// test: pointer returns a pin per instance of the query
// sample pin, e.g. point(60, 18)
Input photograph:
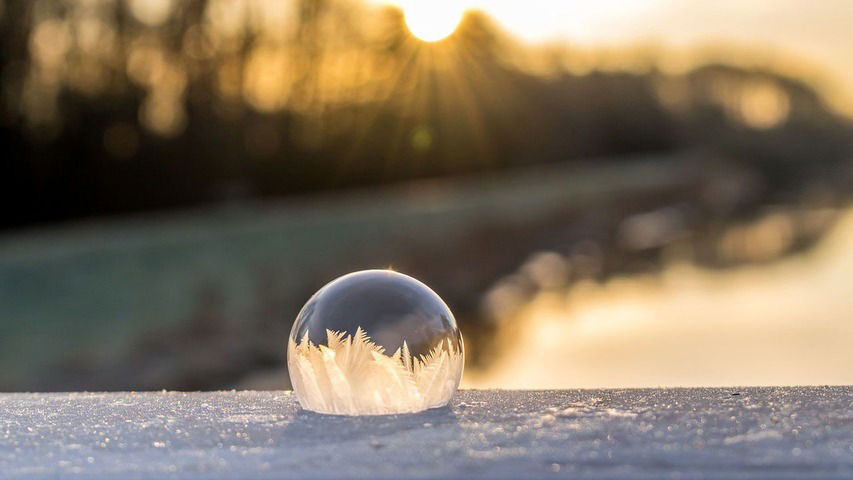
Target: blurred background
point(607, 194)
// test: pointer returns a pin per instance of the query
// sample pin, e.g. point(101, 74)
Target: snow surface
point(657, 433)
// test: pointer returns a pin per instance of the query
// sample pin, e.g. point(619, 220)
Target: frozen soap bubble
point(374, 342)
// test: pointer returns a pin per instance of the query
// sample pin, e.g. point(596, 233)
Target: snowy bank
point(652, 433)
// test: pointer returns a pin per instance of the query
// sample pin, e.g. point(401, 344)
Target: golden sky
point(807, 38)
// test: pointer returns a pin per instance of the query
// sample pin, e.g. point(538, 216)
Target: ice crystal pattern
point(352, 375)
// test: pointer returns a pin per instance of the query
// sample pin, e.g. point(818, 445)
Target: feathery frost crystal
point(338, 353)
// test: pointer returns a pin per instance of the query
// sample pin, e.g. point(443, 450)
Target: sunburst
point(432, 21)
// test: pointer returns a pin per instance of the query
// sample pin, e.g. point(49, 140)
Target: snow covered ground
point(657, 433)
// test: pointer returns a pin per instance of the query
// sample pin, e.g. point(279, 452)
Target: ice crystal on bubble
point(361, 317)
point(354, 376)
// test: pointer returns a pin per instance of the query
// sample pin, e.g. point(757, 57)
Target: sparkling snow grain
point(673, 433)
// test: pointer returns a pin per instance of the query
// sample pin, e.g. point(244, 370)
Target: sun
point(433, 20)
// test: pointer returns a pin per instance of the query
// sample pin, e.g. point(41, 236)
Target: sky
point(808, 38)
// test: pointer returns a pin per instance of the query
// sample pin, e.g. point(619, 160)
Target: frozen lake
point(649, 433)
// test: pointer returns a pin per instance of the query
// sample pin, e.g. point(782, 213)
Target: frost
point(351, 375)
point(676, 433)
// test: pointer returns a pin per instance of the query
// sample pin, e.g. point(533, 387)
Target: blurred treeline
point(119, 106)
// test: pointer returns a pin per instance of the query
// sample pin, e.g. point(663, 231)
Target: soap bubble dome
point(374, 342)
